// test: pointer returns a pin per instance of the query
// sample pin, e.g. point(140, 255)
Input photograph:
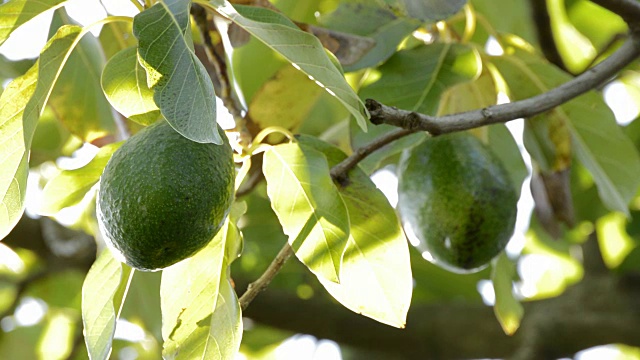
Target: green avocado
point(163, 197)
point(457, 199)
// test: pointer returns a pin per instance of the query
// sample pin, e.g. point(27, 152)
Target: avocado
point(457, 198)
point(163, 197)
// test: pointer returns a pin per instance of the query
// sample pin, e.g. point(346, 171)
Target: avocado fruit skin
point(458, 200)
point(163, 197)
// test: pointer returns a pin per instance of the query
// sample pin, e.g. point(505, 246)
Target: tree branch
point(597, 311)
point(590, 79)
point(259, 285)
point(339, 171)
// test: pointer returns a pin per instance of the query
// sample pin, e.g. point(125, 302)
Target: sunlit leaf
point(225, 332)
point(375, 277)
point(98, 311)
point(415, 80)
point(182, 87)
point(14, 13)
point(505, 17)
point(116, 36)
point(70, 186)
point(309, 207)
point(200, 317)
point(124, 82)
point(77, 98)
point(576, 49)
point(300, 48)
point(507, 308)
point(596, 139)
point(20, 107)
point(615, 242)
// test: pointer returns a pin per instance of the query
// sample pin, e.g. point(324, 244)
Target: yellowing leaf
point(309, 207)
point(507, 308)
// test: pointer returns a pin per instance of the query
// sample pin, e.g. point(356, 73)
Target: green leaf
point(597, 140)
point(285, 100)
point(300, 48)
point(414, 80)
point(375, 276)
point(21, 104)
point(116, 36)
point(98, 312)
point(429, 10)
point(124, 82)
point(14, 13)
point(12, 69)
point(182, 87)
point(200, 312)
point(77, 98)
point(507, 308)
point(70, 186)
point(309, 207)
point(369, 19)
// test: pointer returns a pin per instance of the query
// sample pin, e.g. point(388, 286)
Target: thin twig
point(259, 285)
point(383, 114)
point(339, 171)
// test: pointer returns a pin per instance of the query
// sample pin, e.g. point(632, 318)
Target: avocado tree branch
point(264, 280)
point(590, 79)
point(597, 311)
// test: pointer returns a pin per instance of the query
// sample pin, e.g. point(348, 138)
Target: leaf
point(285, 100)
point(309, 207)
point(375, 277)
point(225, 332)
point(116, 36)
point(70, 186)
point(124, 82)
point(20, 107)
point(300, 48)
point(507, 308)
point(77, 98)
point(429, 10)
point(190, 292)
point(10, 69)
point(14, 13)
point(182, 87)
point(98, 312)
point(414, 80)
point(596, 138)
point(369, 19)
point(506, 149)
